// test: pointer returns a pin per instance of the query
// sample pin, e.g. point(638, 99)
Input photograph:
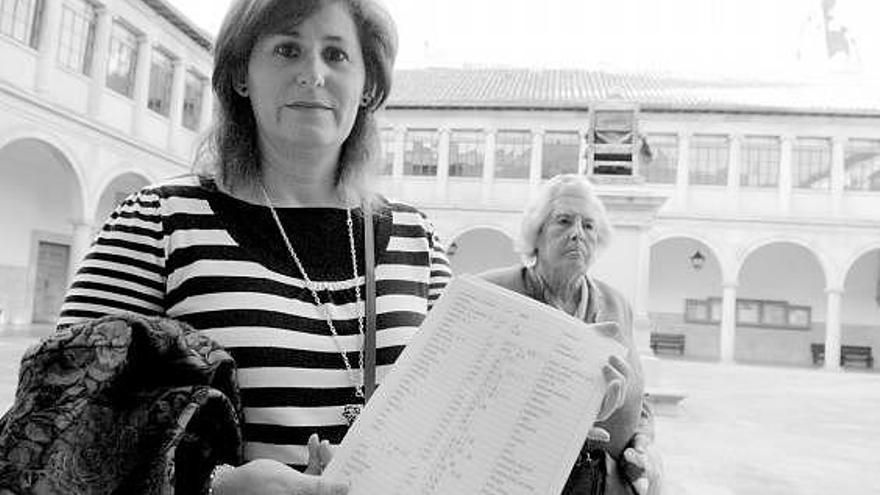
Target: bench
point(667, 341)
point(848, 354)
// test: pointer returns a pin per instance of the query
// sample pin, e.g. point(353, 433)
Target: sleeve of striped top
point(441, 273)
point(124, 270)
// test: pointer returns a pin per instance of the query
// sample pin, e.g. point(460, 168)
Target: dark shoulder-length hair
point(231, 153)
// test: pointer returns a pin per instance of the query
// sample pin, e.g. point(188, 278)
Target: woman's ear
point(242, 89)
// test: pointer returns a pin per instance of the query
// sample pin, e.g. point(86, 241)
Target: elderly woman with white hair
point(563, 230)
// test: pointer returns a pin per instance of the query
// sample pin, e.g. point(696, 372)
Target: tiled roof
point(568, 89)
point(180, 21)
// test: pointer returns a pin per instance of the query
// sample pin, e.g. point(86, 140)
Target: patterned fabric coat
point(122, 404)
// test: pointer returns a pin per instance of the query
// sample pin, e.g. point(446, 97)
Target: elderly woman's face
point(306, 84)
point(569, 238)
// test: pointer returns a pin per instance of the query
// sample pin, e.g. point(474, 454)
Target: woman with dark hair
point(563, 231)
point(264, 250)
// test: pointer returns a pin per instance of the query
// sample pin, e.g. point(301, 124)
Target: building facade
point(748, 219)
point(751, 225)
point(97, 99)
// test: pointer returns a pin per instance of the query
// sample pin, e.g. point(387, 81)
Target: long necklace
point(350, 412)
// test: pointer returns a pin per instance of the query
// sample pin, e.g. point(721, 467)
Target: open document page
point(493, 396)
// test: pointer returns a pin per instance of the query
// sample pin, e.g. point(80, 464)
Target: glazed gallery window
point(19, 19)
point(123, 59)
point(193, 93)
point(388, 145)
point(759, 161)
point(661, 160)
point(811, 163)
point(466, 153)
point(161, 79)
point(862, 165)
point(420, 152)
point(708, 160)
point(77, 36)
point(513, 154)
point(750, 313)
point(560, 153)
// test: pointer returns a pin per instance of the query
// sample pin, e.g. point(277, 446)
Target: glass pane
point(662, 162)
point(466, 153)
point(559, 154)
point(811, 163)
point(192, 101)
point(708, 160)
point(513, 154)
point(759, 159)
point(420, 152)
point(161, 78)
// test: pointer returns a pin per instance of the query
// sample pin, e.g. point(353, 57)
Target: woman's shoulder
point(402, 213)
point(188, 185)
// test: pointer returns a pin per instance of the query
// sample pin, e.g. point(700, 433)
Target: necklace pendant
point(351, 412)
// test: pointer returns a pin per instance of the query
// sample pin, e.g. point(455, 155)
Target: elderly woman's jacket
point(605, 304)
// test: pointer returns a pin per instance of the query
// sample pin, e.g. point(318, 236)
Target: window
point(560, 153)
point(466, 153)
point(513, 154)
point(123, 59)
point(388, 147)
point(708, 160)
point(161, 79)
point(19, 19)
point(750, 313)
point(759, 162)
point(662, 165)
point(420, 152)
point(77, 35)
point(193, 93)
point(862, 165)
point(811, 163)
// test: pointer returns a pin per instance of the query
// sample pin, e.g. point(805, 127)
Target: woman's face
point(305, 85)
point(570, 236)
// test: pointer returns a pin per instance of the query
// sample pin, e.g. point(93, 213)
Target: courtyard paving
point(743, 429)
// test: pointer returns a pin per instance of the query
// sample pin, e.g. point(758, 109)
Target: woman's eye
point(333, 54)
point(588, 225)
point(286, 50)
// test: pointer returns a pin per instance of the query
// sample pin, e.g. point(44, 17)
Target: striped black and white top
point(185, 250)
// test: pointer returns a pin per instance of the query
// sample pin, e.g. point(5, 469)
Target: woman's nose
point(310, 78)
point(310, 72)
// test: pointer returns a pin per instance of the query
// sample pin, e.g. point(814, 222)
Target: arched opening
point(860, 308)
point(40, 203)
point(780, 307)
point(116, 192)
point(684, 295)
point(481, 249)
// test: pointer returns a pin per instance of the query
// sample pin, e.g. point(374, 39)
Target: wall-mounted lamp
point(697, 260)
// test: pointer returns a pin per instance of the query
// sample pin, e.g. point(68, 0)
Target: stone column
point(397, 164)
point(582, 151)
point(175, 110)
point(536, 158)
point(733, 169)
point(50, 28)
point(785, 173)
point(728, 322)
point(683, 168)
point(141, 85)
point(100, 57)
point(832, 328)
point(443, 163)
point(838, 172)
point(489, 165)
